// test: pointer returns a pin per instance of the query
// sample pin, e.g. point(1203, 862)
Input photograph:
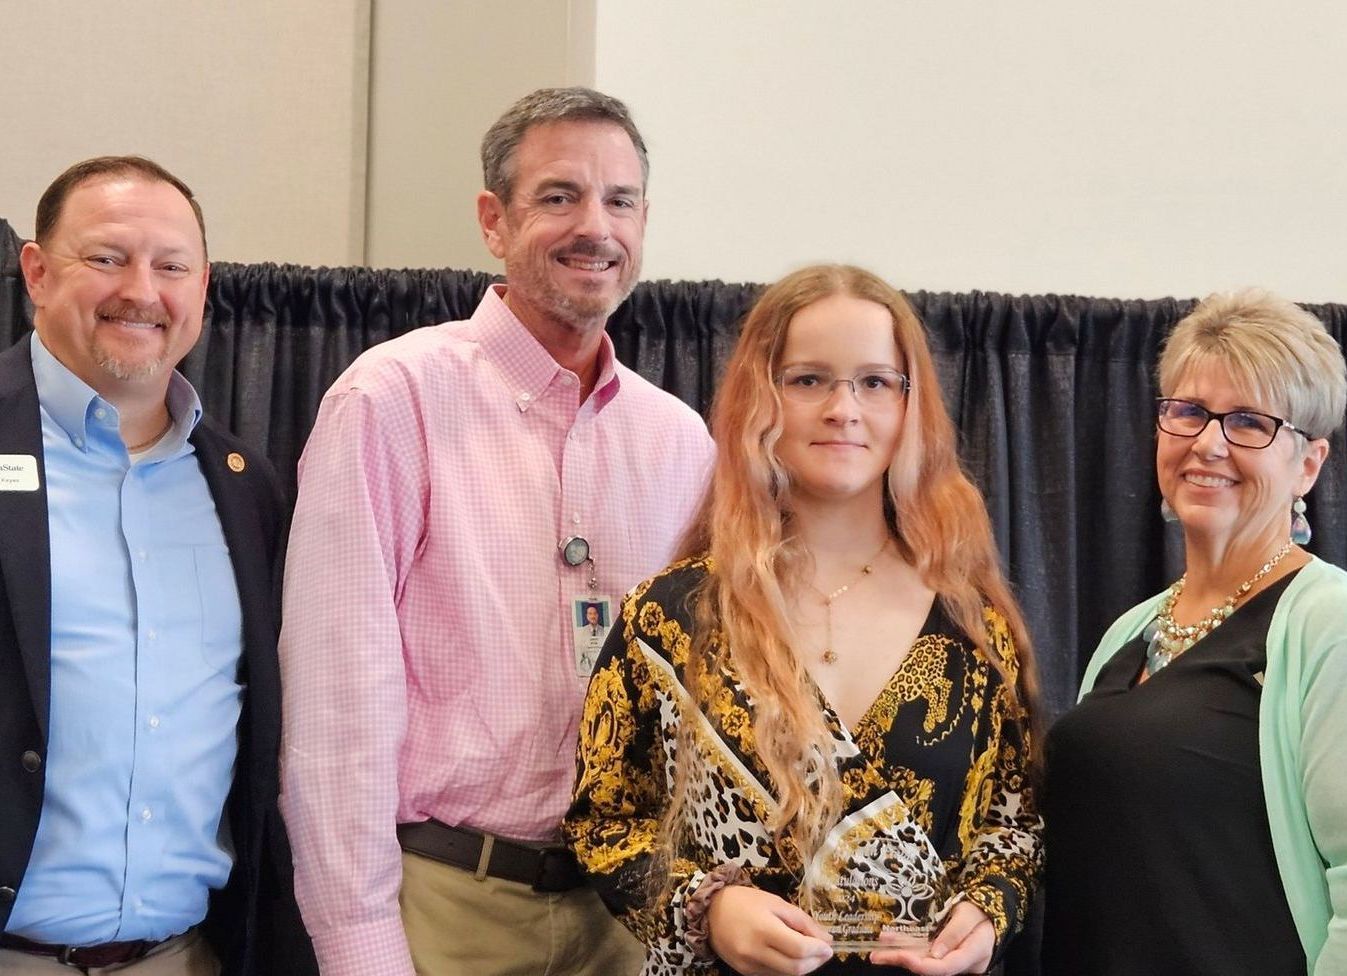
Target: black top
point(1159, 854)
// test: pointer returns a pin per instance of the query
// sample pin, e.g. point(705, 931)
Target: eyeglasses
point(874, 387)
point(1243, 428)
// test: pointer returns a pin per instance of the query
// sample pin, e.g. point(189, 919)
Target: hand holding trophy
point(964, 943)
point(876, 881)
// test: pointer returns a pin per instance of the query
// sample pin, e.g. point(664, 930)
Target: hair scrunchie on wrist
point(696, 923)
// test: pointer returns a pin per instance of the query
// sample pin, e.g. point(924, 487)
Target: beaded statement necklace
point(829, 656)
point(1166, 640)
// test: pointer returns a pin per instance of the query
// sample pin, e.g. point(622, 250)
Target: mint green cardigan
point(1302, 748)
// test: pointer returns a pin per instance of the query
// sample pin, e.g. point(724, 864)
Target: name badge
point(592, 618)
point(18, 472)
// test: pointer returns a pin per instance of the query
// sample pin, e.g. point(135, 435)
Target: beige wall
point(259, 106)
point(443, 71)
point(1137, 150)
point(1129, 150)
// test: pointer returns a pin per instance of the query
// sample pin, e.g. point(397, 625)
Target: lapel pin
point(236, 462)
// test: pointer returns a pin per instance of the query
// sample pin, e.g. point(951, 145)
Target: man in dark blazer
point(140, 555)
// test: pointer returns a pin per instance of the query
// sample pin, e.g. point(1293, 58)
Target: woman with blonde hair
point(810, 738)
point(1196, 798)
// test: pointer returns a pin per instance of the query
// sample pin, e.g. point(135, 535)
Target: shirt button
point(141, 554)
point(152, 633)
point(154, 721)
point(100, 413)
point(31, 761)
point(79, 441)
point(146, 815)
point(575, 519)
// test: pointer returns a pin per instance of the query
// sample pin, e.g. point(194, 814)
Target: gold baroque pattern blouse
point(937, 807)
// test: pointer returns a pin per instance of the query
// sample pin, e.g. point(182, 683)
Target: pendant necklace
point(829, 656)
point(1166, 639)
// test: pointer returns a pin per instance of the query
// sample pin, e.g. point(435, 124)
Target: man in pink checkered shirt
point(468, 492)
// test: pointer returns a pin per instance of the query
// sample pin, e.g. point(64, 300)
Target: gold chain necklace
point(829, 656)
point(1166, 639)
point(133, 448)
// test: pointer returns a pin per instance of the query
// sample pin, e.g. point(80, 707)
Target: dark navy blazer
point(252, 922)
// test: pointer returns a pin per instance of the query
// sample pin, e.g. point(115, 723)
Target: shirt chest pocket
point(201, 619)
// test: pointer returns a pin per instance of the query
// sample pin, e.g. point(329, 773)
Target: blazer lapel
point(25, 547)
point(238, 519)
point(251, 551)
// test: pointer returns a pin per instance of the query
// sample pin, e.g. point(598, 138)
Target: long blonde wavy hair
point(937, 518)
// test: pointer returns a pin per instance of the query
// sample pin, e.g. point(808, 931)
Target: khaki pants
point(459, 926)
point(187, 955)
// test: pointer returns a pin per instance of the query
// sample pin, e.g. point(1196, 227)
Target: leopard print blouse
point(937, 805)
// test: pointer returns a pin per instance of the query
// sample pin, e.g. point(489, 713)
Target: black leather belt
point(90, 957)
point(545, 867)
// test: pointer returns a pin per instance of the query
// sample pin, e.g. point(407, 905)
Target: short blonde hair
point(1272, 348)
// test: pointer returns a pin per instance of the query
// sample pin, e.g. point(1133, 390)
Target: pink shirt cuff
point(368, 949)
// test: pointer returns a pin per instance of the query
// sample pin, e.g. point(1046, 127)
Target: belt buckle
point(66, 955)
point(540, 874)
point(556, 870)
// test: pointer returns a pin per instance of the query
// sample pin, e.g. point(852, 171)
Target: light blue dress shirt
point(146, 636)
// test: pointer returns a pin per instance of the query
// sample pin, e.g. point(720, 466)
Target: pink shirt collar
point(526, 366)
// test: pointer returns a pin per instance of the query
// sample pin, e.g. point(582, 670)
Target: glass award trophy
point(856, 927)
point(877, 873)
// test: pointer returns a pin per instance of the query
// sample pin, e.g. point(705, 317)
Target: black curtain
point(14, 308)
point(1052, 396)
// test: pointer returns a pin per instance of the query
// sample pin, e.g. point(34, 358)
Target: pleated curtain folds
point(1052, 395)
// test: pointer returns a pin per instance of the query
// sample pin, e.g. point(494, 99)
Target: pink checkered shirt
point(427, 654)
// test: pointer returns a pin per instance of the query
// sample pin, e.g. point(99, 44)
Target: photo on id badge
point(591, 619)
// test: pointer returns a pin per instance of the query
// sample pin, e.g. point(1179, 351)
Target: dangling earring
point(1166, 512)
point(1300, 525)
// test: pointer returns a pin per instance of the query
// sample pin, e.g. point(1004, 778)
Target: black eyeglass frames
point(1243, 428)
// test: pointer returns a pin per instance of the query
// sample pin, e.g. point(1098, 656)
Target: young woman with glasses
point(1196, 798)
point(814, 730)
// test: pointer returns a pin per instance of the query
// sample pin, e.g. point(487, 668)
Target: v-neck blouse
point(875, 706)
point(937, 807)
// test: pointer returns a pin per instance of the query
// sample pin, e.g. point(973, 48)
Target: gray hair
point(539, 108)
point(1272, 348)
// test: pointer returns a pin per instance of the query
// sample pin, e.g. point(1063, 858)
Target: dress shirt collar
point(71, 402)
point(528, 368)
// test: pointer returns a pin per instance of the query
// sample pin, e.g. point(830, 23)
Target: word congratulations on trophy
point(877, 873)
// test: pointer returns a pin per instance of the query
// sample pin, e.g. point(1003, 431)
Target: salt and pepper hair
point(544, 106)
point(53, 199)
point(1273, 349)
